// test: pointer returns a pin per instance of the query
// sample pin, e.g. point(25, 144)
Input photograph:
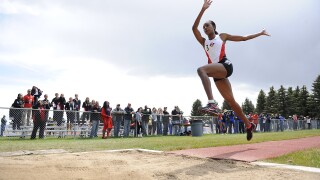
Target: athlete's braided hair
point(214, 26)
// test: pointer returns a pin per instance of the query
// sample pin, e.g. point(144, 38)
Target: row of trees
point(284, 101)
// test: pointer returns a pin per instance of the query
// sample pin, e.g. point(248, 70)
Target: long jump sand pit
point(132, 164)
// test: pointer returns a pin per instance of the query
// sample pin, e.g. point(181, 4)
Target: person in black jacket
point(165, 121)
point(87, 107)
point(69, 107)
point(77, 106)
point(16, 112)
point(39, 119)
point(127, 119)
point(36, 93)
point(95, 119)
point(47, 105)
point(145, 120)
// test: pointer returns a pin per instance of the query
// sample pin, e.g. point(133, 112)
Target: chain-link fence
point(32, 123)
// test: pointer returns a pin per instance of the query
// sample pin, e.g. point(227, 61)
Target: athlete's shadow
point(230, 154)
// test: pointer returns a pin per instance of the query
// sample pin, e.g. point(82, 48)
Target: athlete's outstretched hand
point(206, 4)
point(264, 32)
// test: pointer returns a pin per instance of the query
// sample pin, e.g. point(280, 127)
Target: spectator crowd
point(29, 109)
point(228, 122)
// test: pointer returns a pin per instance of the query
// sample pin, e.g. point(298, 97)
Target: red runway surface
point(253, 152)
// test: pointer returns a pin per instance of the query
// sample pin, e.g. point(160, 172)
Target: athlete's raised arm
point(228, 37)
point(195, 30)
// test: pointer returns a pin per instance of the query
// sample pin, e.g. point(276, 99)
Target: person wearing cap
point(28, 102)
point(127, 119)
point(3, 124)
point(117, 114)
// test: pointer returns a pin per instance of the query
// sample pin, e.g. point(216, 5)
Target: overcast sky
point(144, 52)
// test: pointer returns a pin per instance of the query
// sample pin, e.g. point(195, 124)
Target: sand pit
point(131, 165)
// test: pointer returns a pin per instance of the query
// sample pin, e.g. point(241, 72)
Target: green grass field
point(163, 143)
point(310, 157)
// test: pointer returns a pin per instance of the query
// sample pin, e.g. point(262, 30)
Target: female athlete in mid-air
point(219, 67)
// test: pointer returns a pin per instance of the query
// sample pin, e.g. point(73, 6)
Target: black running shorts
point(228, 65)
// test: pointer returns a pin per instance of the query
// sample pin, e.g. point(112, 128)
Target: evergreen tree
point(271, 103)
point(282, 101)
point(296, 101)
point(303, 103)
point(195, 108)
point(247, 106)
point(290, 102)
point(225, 105)
point(315, 98)
point(261, 102)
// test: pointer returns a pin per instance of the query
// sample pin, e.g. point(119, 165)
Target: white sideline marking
point(142, 150)
point(285, 166)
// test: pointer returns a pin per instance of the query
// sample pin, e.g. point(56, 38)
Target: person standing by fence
point(77, 106)
point(39, 119)
point(17, 113)
point(165, 120)
point(138, 119)
point(159, 121)
point(107, 119)
point(95, 120)
point(176, 120)
point(127, 119)
point(154, 120)
point(28, 102)
point(69, 107)
point(117, 115)
point(3, 125)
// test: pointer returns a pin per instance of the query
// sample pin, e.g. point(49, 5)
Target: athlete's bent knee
point(201, 71)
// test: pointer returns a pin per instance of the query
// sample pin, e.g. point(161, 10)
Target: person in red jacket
point(28, 102)
point(255, 119)
point(107, 119)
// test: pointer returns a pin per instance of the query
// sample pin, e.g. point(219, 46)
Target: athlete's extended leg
point(215, 70)
point(225, 90)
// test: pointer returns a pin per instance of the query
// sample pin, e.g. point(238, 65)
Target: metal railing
point(21, 122)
